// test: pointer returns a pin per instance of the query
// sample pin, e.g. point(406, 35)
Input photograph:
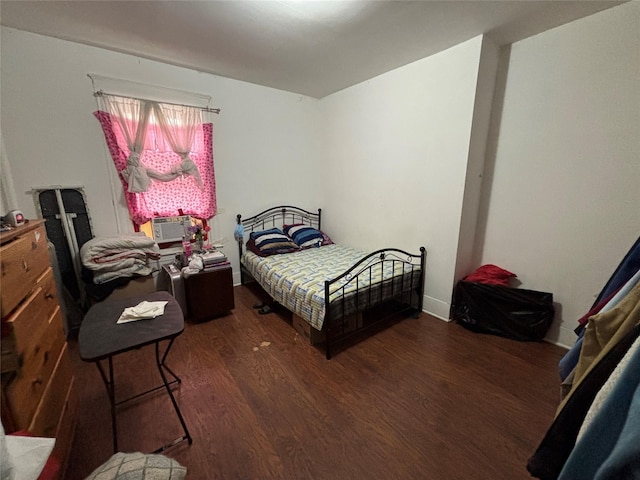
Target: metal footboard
point(404, 287)
point(351, 296)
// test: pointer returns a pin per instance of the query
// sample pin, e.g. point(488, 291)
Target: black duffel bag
point(509, 312)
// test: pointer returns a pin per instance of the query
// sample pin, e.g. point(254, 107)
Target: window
point(164, 156)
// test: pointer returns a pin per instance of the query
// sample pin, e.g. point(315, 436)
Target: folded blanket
point(101, 250)
point(122, 264)
point(119, 256)
point(115, 256)
point(100, 277)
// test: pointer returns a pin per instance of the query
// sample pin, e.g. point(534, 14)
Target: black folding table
point(102, 338)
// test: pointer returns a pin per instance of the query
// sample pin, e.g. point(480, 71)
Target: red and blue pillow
point(305, 236)
point(270, 242)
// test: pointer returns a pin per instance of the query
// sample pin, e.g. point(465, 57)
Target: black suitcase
point(515, 313)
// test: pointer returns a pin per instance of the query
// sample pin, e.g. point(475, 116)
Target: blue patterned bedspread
point(296, 280)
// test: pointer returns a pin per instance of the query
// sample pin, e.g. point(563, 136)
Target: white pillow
point(6, 465)
point(27, 456)
point(122, 466)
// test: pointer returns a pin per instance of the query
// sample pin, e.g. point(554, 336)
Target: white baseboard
point(436, 308)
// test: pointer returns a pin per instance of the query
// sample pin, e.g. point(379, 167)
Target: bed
point(285, 251)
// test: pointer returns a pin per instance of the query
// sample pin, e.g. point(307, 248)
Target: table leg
point(161, 367)
point(108, 379)
point(111, 391)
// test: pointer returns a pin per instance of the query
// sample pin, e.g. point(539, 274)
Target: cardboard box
point(306, 331)
point(315, 337)
point(136, 286)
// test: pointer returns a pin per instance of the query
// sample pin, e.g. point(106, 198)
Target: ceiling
point(309, 47)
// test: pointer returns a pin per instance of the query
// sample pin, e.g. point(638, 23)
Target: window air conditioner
point(170, 229)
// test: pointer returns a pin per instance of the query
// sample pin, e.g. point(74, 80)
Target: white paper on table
point(144, 310)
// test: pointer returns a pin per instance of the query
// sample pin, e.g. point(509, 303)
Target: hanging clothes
point(629, 265)
point(609, 448)
point(554, 450)
point(605, 329)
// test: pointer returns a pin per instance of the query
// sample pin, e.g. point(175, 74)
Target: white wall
point(482, 113)
point(562, 202)
point(396, 153)
point(392, 160)
point(407, 131)
point(266, 142)
point(7, 193)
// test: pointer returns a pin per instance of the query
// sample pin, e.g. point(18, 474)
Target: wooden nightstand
point(210, 293)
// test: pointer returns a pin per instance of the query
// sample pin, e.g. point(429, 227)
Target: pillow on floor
point(124, 466)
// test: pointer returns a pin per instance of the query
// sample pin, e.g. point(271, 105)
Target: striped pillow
point(304, 236)
point(272, 241)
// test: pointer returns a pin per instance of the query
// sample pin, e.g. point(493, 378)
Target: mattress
point(296, 280)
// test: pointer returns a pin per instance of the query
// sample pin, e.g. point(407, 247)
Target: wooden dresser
point(37, 374)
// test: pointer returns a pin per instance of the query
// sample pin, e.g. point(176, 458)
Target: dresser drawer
point(39, 359)
point(22, 261)
point(47, 416)
point(66, 429)
point(29, 320)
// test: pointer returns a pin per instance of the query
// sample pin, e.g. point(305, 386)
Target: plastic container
point(186, 246)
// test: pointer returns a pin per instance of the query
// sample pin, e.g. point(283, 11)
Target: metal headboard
point(276, 217)
point(279, 216)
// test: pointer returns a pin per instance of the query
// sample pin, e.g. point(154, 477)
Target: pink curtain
point(166, 198)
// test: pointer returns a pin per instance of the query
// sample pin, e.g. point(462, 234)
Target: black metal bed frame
point(406, 291)
point(275, 217)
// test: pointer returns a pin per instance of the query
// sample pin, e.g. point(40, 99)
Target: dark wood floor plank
point(419, 399)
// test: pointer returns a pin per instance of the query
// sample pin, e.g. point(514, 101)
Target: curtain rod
point(101, 93)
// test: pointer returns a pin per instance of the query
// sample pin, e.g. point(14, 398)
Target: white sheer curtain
point(178, 125)
point(133, 118)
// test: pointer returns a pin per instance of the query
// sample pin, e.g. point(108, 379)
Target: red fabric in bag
point(491, 275)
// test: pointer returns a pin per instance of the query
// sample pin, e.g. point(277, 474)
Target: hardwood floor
point(421, 399)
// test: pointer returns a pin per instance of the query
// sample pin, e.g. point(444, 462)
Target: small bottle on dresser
point(186, 246)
